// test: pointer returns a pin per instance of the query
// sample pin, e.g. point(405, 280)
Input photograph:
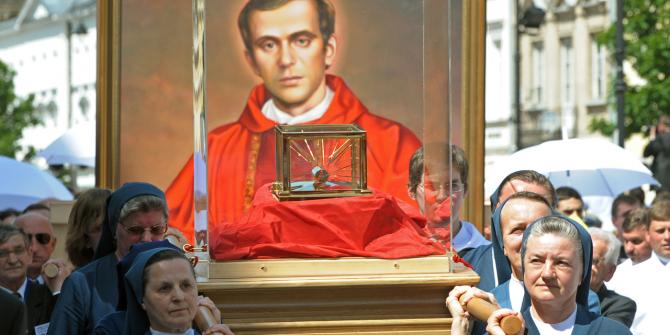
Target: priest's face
point(438, 199)
point(659, 237)
point(290, 55)
point(518, 214)
point(636, 245)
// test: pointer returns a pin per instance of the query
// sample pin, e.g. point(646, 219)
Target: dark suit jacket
point(616, 307)
point(87, 295)
point(13, 316)
point(39, 305)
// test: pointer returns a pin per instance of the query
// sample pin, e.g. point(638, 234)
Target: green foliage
point(602, 126)
point(647, 48)
point(15, 115)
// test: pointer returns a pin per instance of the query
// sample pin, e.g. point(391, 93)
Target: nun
point(556, 265)
point(113, 323)
point(135, 213)
point(162, 296)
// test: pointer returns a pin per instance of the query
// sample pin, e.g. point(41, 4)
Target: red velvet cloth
point(365, 226)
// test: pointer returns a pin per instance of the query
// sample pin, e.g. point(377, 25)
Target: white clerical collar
point(156, 332)
point(662, 259)
point(273, 113)
point(516, 293)
point(21, 291)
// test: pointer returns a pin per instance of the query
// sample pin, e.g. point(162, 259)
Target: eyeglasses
point(42, 238)
point(158, 229)
point(450, 188)
point(18, 251)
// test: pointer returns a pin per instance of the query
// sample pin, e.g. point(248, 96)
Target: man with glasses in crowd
point(441, 200)
point(15, 257)
point(136, 213)
point(42, 241)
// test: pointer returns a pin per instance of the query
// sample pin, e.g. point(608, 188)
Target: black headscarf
point(115, 202)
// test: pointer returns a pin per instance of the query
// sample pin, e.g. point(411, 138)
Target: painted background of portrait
point(380, 56)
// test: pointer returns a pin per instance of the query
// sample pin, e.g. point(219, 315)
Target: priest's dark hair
point(324, 8)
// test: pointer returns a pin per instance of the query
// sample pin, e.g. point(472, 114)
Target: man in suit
point(606, 249)
point(42, 240)
point(15, 256)
point(13, 316)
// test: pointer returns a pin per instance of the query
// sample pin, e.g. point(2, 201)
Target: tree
point(16, 114)
point(646, 35)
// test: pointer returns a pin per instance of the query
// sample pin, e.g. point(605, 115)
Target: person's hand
point(460, 318)
point(175, 237)
point(56, 282)
point(652, 133)
point(218, 329)
point(493, 323)
point(474, 292)
point(207, 302)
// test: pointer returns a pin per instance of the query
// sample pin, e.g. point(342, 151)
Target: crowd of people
point(108, 231)
point(544, 263)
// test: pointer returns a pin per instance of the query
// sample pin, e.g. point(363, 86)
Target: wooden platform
point(336, 296)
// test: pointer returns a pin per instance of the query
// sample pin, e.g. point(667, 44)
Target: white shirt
point(516, 293)
point(273, 113)
point(647, 284)
point(563, 327)
point(21, 291)
point(468, 237)
point(156, 332)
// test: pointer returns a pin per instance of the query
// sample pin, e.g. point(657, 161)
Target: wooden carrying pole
point(204, 318)
point(482, 310)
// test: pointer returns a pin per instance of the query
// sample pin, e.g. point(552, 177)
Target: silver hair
point(556, 226)
point(613, 244)
point(143, 204)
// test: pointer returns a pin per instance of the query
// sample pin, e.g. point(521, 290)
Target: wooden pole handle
point(482, 310)
point(204, 318)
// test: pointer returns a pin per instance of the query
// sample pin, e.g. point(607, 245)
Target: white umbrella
point(591, 166)
point(76, 146)
point(22, 184)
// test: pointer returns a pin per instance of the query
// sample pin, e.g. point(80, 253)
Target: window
point(567, 73)
point(598, 79)
point(537, 83)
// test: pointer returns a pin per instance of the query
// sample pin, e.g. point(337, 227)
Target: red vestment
point(241, 157)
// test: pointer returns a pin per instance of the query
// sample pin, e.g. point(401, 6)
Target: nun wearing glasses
point(135, 213)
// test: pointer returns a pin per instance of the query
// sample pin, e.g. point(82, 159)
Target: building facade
point(564, 71)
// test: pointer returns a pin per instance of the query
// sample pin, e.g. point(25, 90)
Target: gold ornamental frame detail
point(318, 161)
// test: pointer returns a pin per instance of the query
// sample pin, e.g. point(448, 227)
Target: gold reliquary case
point(320, 161)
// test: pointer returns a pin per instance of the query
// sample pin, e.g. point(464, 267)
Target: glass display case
point(320, 161)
